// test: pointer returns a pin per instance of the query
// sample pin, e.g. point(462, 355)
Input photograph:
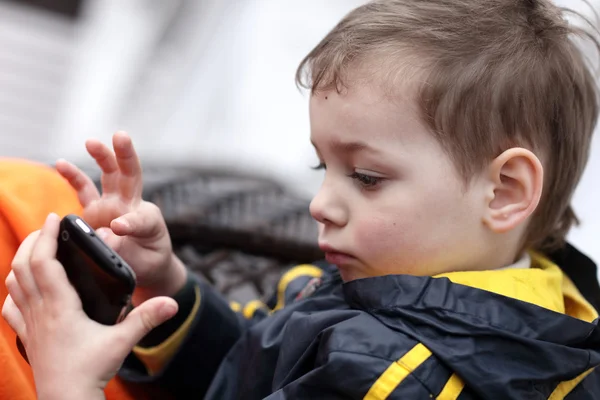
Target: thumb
point(145, 317)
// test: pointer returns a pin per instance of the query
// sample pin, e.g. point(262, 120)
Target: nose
point(327, 207)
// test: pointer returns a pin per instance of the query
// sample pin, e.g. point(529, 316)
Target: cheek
point(394, 247)
point(389, 235)
point(408, 232)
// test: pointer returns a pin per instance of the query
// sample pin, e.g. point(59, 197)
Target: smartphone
point(103, 280)
point(100, 276)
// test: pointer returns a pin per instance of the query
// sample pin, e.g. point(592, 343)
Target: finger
point(107, 162)
point(146, 221)
point(49, 275)
point(14, 318)
point(130, 183)
point(83, 184)
point(22, 269)
point(142, 319)
point(15, 290)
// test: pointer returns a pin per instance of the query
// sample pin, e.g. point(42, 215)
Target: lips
point(334, 256)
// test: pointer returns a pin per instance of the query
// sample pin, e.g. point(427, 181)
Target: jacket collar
point(526, 302)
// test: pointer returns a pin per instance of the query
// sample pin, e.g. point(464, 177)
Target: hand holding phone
point(100, 276)
point(66, 348)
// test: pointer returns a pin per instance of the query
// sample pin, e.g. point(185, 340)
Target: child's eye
point(320, 166)
point(366, 181)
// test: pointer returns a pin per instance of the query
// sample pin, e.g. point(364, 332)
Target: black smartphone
point(100, 276)
point(103, 280)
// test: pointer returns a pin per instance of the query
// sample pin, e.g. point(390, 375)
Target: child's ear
point(516, 181)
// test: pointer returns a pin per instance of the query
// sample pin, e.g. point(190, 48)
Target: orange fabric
point(28, 193)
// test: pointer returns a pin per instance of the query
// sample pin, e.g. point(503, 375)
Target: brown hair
point(497, 73)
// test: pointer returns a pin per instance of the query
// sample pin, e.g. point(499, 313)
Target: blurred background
point(207, 83)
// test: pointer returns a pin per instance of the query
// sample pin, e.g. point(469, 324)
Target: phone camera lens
point(64, 235)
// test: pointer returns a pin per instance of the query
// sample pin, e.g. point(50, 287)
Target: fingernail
point(168, 310)
point(123, 222)
point(53, 217)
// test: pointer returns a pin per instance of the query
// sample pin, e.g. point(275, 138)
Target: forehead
point(365, 112)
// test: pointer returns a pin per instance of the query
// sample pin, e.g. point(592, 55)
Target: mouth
point(334, 256)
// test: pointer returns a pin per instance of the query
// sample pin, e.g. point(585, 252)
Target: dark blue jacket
point(394, 337)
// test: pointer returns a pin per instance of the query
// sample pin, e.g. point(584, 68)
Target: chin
point(349, 274)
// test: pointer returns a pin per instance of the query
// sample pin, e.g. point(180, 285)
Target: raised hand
point(131, 226)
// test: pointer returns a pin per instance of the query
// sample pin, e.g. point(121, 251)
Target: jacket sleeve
point(186, 361)
point(183, 355)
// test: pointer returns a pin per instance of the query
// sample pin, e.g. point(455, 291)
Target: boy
point(453, 134)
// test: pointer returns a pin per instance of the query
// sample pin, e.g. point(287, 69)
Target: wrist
point(172, 282)
point(72, 390)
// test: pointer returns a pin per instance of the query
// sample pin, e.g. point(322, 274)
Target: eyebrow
point(348, 147)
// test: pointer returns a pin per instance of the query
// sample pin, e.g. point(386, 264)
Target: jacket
point(504, 334)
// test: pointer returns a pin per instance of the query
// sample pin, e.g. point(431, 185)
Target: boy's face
point(391, 201)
